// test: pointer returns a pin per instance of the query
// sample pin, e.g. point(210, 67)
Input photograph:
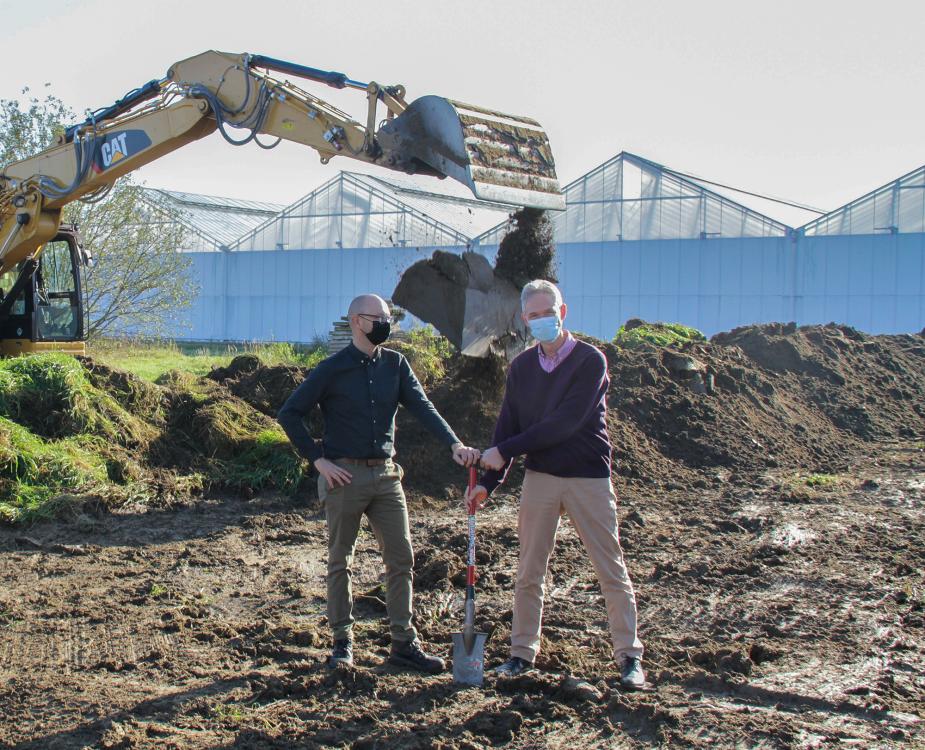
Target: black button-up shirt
point(359, 396)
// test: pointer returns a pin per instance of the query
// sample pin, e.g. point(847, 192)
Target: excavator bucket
point(499, 157)
point(466, 301)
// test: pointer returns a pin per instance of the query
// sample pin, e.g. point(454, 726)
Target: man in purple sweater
point(555, 412)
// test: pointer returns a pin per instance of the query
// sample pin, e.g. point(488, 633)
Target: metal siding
point(751, 268)
point(860, 267)
point(710, 266)
point(669, 264)
point(688, 269)
point(873, 282)
point(837, 268)
point(709, 318)
point(909, 258)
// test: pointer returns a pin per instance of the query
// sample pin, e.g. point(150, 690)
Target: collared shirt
point(359, 396)
point(550, 362)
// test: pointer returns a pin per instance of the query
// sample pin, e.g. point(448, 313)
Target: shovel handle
point(473, 480)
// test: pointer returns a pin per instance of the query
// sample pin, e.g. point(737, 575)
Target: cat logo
point(117, 146)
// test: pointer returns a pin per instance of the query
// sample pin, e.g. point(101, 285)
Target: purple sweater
point(558, 418)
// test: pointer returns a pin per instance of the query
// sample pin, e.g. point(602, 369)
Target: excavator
point(499, 157)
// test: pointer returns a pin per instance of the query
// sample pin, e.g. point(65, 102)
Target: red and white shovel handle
point(470, 571)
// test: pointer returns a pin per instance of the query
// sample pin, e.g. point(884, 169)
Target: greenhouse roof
point(632, 198)
point(354, 210)
point(895, 208)
point(219, 220)
point(447, 201)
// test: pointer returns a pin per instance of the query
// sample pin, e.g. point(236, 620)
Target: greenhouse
point(637, 240)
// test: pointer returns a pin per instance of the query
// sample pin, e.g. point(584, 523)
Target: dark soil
point(527, 251)
point(771, 488)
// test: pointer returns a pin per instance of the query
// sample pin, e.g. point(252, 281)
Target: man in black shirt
point(359, 390)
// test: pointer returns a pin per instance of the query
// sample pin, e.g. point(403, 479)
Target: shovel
point(469, 646)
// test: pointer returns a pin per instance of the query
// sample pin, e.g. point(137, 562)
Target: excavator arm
point(499, 157)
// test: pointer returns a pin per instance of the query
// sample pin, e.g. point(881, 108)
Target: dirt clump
point(264, 387)
point(527, 251)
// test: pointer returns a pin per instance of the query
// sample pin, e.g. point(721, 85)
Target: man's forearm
point(293, 425)
point(292, 415)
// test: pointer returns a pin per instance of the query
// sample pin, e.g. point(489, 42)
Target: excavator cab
point(41, 300)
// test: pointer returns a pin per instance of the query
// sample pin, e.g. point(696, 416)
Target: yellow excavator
point(499, 157)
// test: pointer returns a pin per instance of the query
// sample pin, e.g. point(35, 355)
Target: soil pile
point(755, 398)
point(680, 416)
point(73, 430)
point(264, 388)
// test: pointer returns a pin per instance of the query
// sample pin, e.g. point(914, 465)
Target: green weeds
point(656, 334)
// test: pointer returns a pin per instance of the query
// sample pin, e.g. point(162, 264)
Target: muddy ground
point(779, 573)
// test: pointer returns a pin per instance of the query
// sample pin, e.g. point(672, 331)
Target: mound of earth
point(73, 430)
point(263, 387)
point(756, 397)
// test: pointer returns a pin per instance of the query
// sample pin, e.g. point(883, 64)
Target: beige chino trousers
point(592, 506)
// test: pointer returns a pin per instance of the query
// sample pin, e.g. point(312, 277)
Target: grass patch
point(637, 333)
point(821, 481)
point(427, 353)
point(150, 360)
point(37, 476)
point(266, 461)
point(157, 591)
point(73, 431)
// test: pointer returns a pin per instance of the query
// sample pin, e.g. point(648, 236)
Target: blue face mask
point(545, 330)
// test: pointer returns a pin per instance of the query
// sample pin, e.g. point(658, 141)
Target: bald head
point(368, 304)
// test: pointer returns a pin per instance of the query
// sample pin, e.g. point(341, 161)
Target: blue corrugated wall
point(875, 283)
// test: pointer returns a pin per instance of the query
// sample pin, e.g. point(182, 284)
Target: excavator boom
point(502, 158)
point(499, 157)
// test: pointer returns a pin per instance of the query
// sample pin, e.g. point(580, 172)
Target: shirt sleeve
point(297, 407)
point(506, 427)
point(411, 395)
point(583, 396)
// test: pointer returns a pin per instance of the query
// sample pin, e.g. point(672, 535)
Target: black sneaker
point(513, 667)
point(631, 675)
point(342, 653)
point(410, 654)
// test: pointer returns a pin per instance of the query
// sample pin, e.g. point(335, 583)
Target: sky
point(815, 101)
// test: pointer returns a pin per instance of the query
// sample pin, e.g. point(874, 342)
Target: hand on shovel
point(475, 499)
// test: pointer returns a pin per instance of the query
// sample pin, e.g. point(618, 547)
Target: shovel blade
point(469, 664)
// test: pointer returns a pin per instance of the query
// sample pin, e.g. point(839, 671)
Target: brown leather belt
point(365, 461)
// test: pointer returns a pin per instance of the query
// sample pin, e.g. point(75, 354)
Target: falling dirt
point(527, 251)
point(770, 496)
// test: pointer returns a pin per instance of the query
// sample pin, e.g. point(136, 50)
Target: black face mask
point(380, 332)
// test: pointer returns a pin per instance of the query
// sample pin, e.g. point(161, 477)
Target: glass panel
point(56, 303)
point(6, 283)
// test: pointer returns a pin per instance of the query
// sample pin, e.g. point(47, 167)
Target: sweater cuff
point(490, 480)
point(509, 449)
point(312, 452)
